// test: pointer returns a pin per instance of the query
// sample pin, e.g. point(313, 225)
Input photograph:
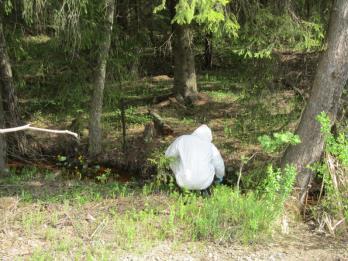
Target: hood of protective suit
point(203, 132)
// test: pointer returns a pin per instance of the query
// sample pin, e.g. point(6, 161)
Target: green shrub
point(275, 143)
point(164, 179)
point(333, 171)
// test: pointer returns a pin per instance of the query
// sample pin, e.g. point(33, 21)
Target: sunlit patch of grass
point(52, 234)
point(188, 121)
point(37, 186)
point(41, 254)
point(65, 244)
point(223, 96)
point(37, 39)
point(30, 221)
point(132, 116)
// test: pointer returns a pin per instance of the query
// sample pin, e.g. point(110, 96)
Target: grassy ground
point(47, 217)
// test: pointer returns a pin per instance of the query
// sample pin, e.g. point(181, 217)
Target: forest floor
point(44, 217)
point(47, 212)
point(237, 113)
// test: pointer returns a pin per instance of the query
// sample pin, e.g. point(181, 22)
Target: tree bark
point(208, 52)
point(329, 81)
point(95, 130)
point(282, 6)
point(185, 83)
point(17, 142)
point(308, 8)
point(124, 14)
point(2, 138)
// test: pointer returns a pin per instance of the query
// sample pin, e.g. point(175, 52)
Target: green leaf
point(160, 7)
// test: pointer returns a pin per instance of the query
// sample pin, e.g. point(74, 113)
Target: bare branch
point(28, 127)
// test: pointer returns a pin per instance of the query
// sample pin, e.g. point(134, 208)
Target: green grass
point(226, 216)
point(37, 186)
point(223, 96)
point(85, 220)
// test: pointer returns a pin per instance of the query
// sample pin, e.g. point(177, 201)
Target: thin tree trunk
point(2, 138)
point(17, 142)
point(308, 8)
point(282, 6)
point(329, 81)
point(124, 14)
point(185, 83)
point(137, 14)
point(208, 52)
point(95, 130)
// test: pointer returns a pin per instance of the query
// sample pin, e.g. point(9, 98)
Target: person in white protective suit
point(196, 160)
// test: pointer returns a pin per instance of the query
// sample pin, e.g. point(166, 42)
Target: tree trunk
point(329, 81)
point(137, 14)
point(124, 15)
point(185, 84)
point(17, 142)
point(2, 138)
point(282, 6)
point(308, 8)
point(208, 52)
point(95, 131)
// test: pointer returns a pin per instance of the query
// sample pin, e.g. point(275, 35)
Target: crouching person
point(196, 160)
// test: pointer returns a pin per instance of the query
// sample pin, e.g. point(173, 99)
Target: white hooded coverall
point(197, 160)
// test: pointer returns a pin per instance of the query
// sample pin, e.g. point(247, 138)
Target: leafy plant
point(278, 185)
point(210, 14)
point(338, 147)
point(275, 143)
point(104, 177)
point(162, 164)
point(333, 208)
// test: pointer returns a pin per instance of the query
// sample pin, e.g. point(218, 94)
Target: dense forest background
point(128, 76)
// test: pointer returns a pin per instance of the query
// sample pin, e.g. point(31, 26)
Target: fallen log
point(148, 100)
point(161, 127)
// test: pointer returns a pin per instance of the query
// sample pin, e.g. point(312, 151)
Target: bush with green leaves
point(263, 173)
point(277, 186)
point(164, 178)
point(211, 14)
point(336, 146)
point(333, 171)
point(278, 141)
